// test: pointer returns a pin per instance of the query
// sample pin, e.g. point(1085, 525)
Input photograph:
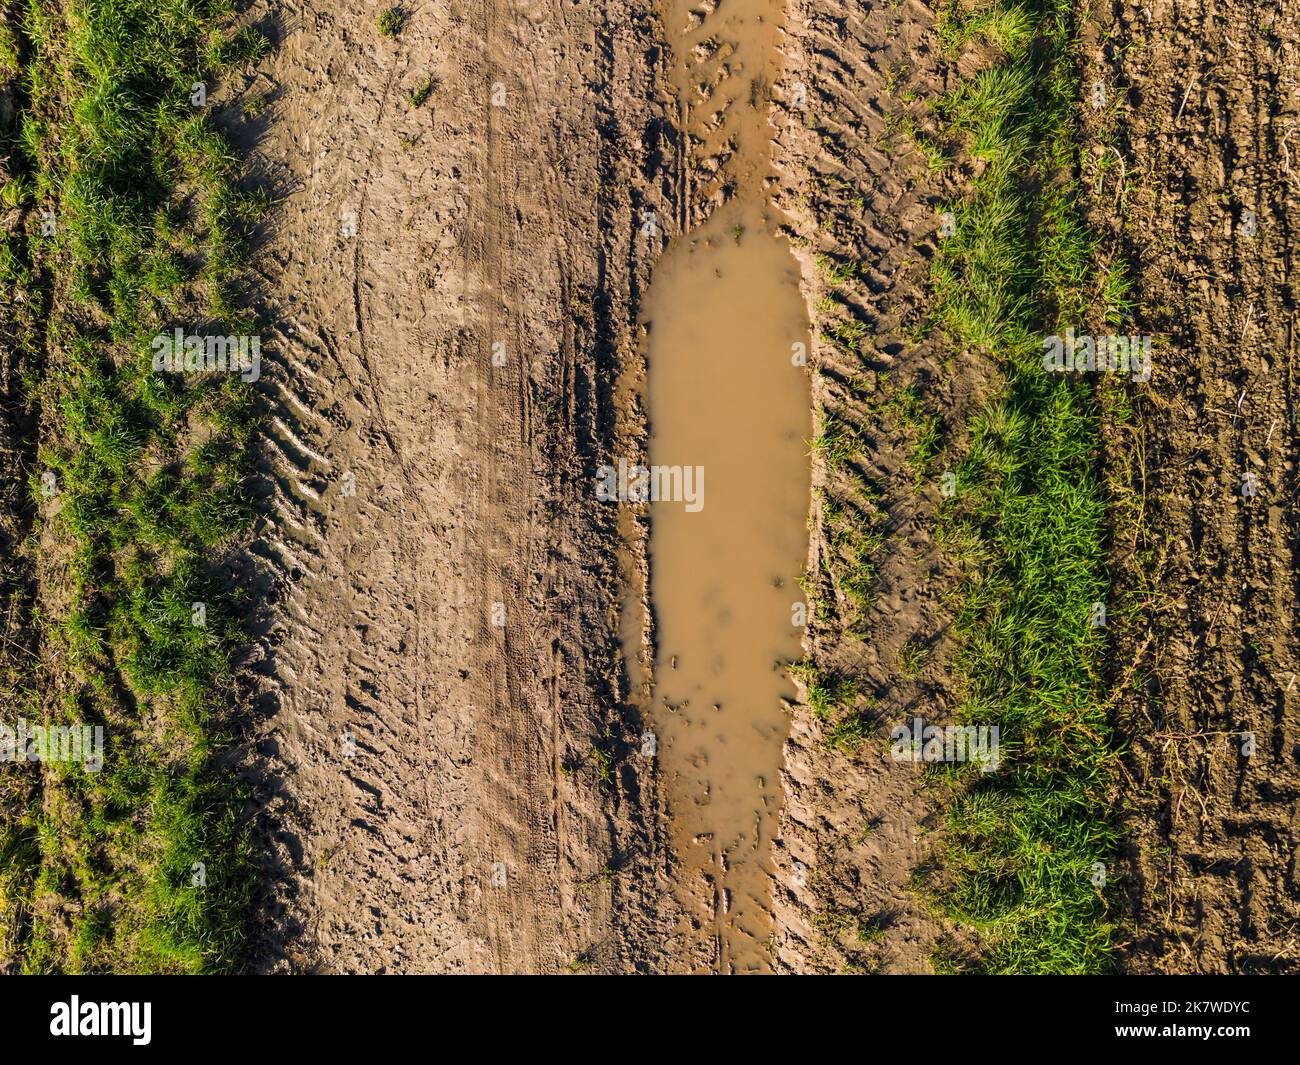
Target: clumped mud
point(859, 824)
point(1205, 114)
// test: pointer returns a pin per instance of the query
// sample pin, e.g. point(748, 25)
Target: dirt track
point(473, 225)
point(478, 224)
point(447, 592)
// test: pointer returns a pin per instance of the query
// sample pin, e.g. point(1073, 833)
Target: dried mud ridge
point(858, 825)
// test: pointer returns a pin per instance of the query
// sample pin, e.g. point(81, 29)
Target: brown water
point(727, 394)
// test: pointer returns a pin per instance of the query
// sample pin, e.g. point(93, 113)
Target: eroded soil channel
point(729, 413)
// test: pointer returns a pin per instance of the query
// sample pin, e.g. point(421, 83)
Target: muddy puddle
point(728, 403)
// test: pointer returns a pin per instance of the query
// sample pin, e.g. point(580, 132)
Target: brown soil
point(1208, 108)
point(447, 592)
point(860, 825)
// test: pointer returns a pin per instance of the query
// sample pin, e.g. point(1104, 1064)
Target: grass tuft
point(390, 22)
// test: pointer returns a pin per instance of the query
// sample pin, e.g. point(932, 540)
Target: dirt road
point(449, 758)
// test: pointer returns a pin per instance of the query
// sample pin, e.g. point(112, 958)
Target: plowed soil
point(1206, 116)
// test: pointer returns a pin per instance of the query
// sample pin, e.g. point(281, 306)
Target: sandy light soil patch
point(451, 272)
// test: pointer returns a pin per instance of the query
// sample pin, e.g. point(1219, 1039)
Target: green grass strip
point(1028, 518)
point(144, 866)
